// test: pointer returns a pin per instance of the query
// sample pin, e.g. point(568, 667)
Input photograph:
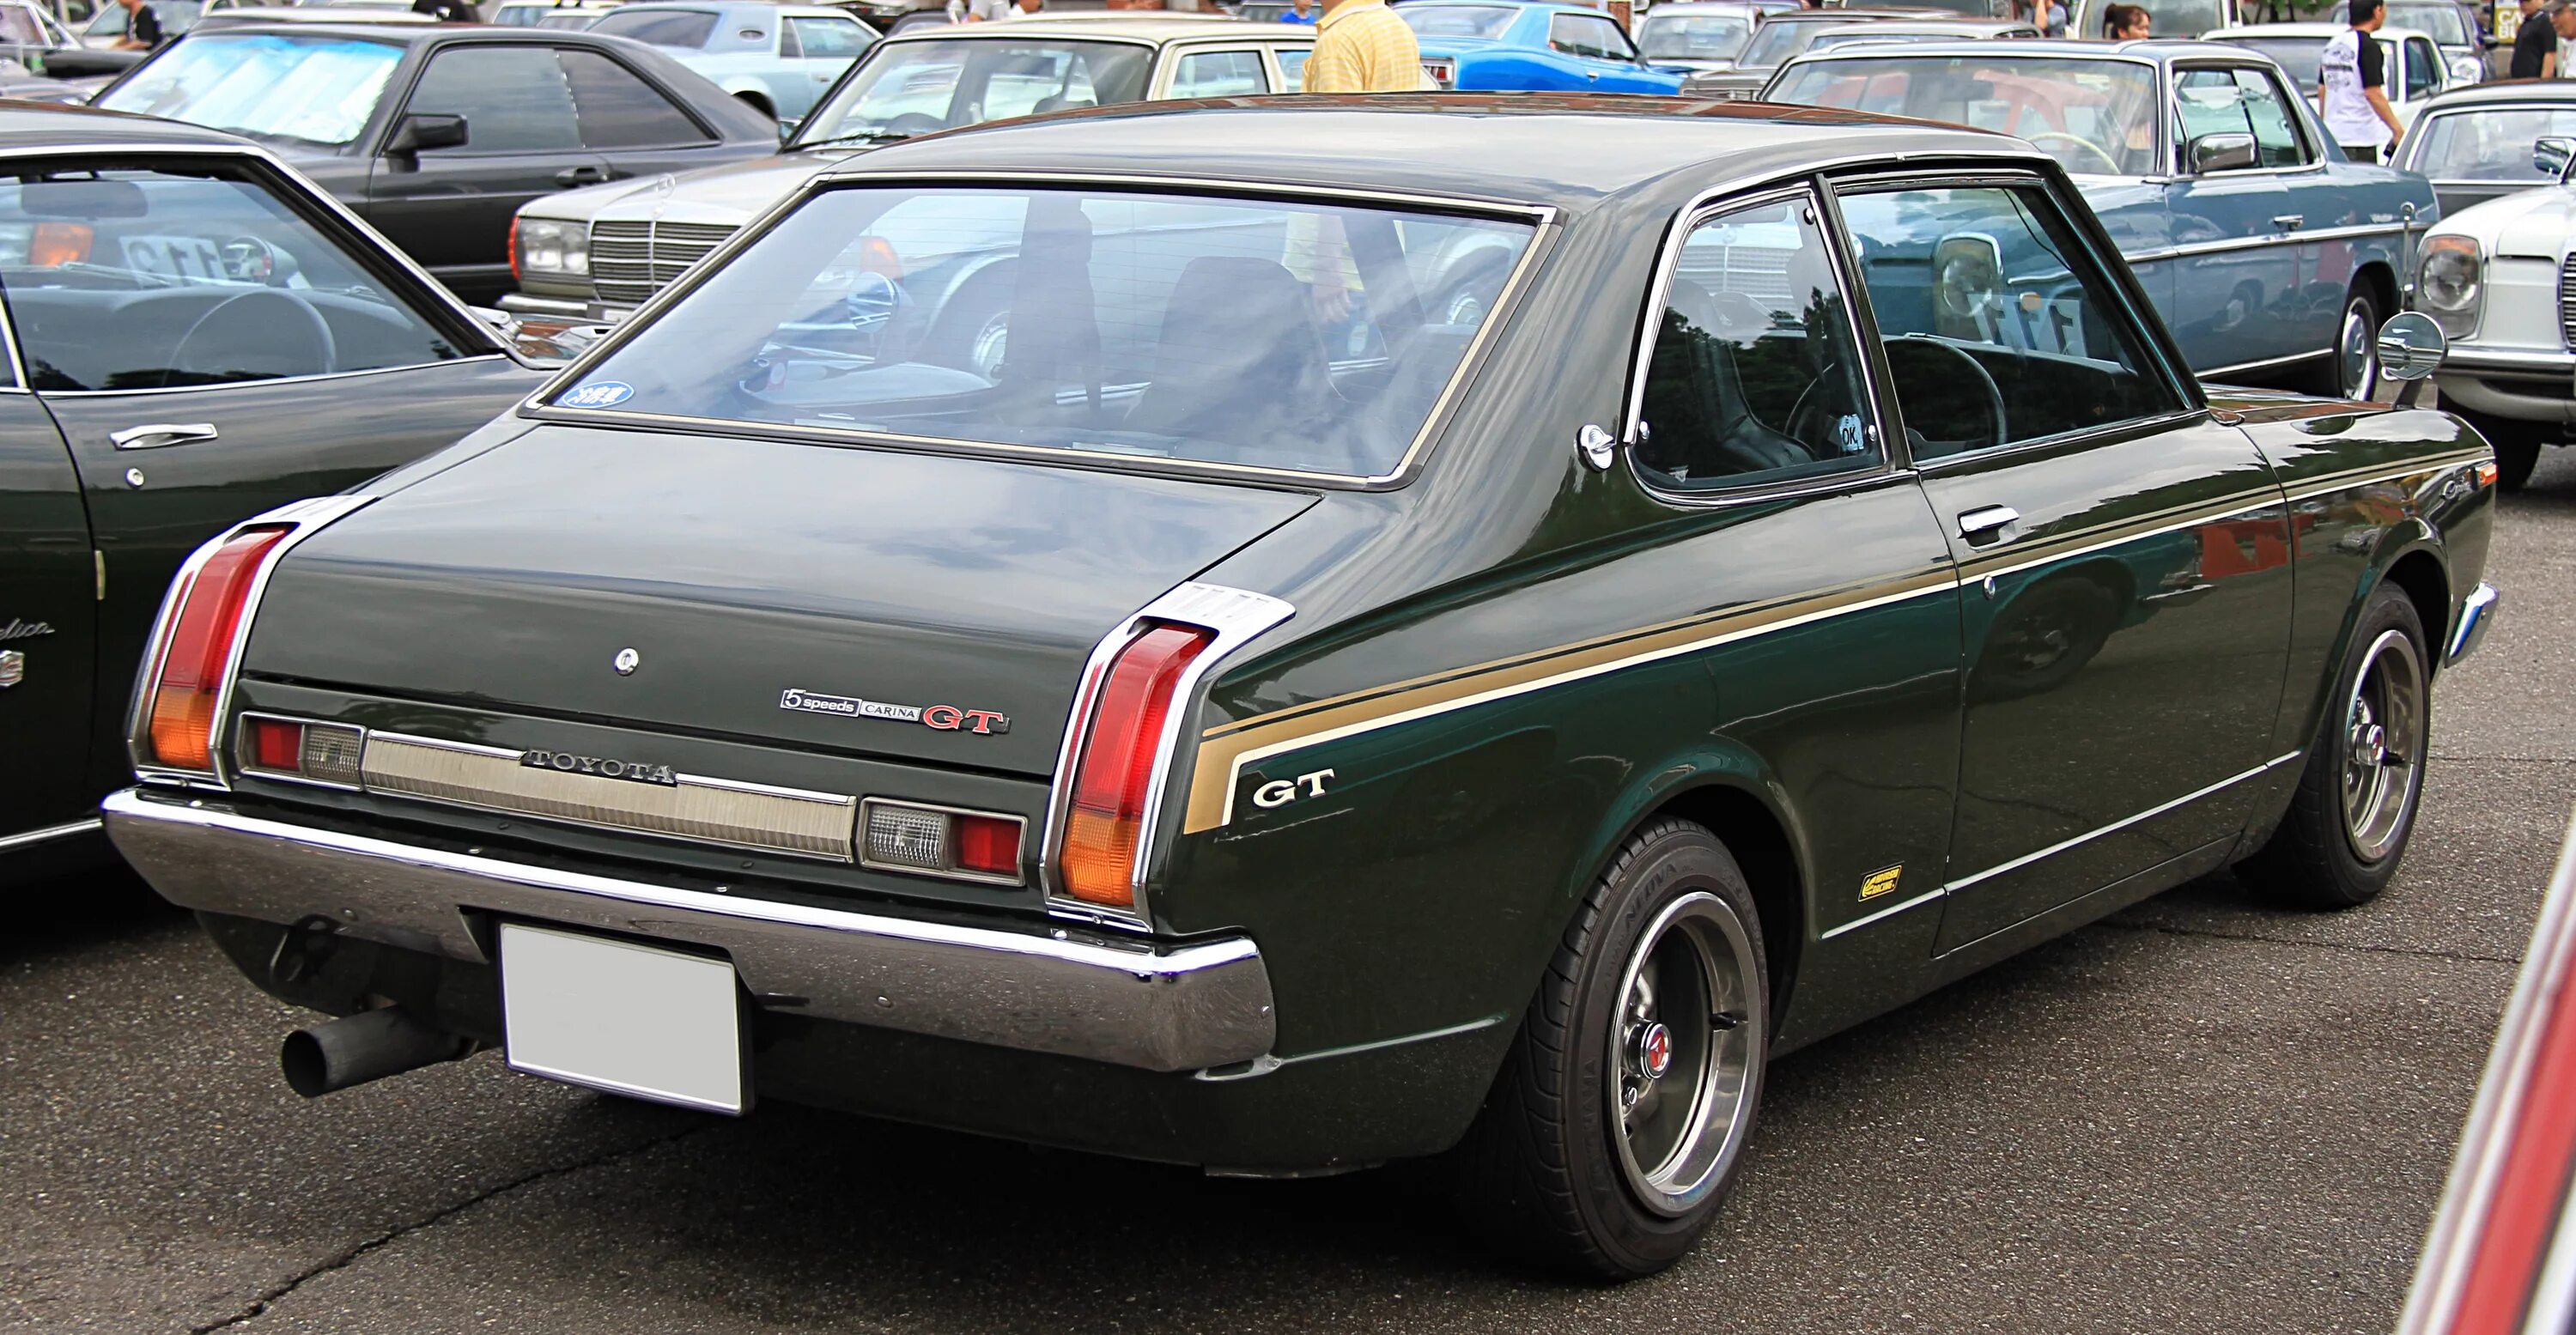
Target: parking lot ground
point(2203, 1115)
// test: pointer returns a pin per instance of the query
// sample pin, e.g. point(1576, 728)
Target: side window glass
point(123, 279)
point(1753, 377)
point(2276, 135)
point(1613, 44)
point(617, 109)
point(1565, 36)
point(1219, 74)
point(828, 39)
point(2423, 70)
point(789, 48)
point(1292, 66)
point(2208, 102)
point(1999, 327)
point(514, 99)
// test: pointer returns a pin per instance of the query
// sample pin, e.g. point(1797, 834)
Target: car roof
point(1847, 15)
point(45, 125)
point(730, 6)
point(1704, 7)
point(1532, 149)
point(2151, 49)
point(2505, 90)
point(2388, 32)
point(1143, 27)
point(1901, 27)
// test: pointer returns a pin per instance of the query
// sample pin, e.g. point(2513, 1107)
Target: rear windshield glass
point(1299, 336)
point(1694, 36)
point(2094, 116)
point(1457, 20)
point(906, 88)
point(2439, 22)
point(319, 90)
point(679, 29)
point(1773, 44)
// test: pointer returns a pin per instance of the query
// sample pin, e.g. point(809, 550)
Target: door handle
point(581, 176)
point(155, 435)
point(2288, 222)
point(1987, 521)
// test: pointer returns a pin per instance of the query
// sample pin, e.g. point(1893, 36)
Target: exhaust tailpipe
point(362, 1047)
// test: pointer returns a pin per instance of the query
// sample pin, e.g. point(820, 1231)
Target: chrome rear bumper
point(1131, 1004)
point(2477, 612)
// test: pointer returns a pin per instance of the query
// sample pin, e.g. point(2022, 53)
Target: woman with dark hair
point(2125, 23)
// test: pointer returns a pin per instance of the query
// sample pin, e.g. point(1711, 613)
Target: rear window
point(1457, 20)
point(679, 29)
point(1303, 337)
point(1694, 36)
point(2439, 22)
point(2094, 116)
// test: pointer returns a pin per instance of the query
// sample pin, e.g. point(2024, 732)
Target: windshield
point(1297, 336)
point(1826, 41)
point(679, 29)
point(2439, 22)
point(2487, 144)
point(1773, 43)
point(1694, 36)
point(909, 88)
point(319, 90)
point(2093, 116)
point(1457, 20)
point(2301, 57)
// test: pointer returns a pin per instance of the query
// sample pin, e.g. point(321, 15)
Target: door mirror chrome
point(2551, 155)
point(419, 134)
point(502, 322)
point(1597, 446)
point(2410, 346)
point(2222, 153)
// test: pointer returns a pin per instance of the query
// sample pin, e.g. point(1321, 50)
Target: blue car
point(2267, 252)
point(1475, 46)
point(777, 58)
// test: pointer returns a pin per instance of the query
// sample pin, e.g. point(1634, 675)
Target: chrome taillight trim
point(302, 519)
point(1235, 616)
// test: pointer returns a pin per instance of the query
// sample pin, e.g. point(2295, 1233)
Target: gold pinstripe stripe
point(1228, 748)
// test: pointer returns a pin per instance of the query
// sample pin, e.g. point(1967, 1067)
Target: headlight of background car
point(552, 246)
point(2450, 284)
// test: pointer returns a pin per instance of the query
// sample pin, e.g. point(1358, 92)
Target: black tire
point(2317, 859)
point(973, 333)
point(1542, 1175)
point(2360, 304)
point(2517, 444)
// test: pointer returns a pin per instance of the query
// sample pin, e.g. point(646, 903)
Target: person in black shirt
point(2535, 45)
point(142, 27)
point(447, 11)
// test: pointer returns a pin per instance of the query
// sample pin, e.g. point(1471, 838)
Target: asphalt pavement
point(2203, 1115)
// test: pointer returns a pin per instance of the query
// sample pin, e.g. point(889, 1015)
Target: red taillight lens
point(512, 247)
point(989, 845)
point(181, 718)
point(277, 744)
point(1106, 817)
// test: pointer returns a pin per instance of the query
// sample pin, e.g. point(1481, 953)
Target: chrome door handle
point(155, 435)
point(1987, 521)
point(2288, 222)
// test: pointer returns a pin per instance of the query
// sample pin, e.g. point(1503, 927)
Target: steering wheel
point(1899, 350)
point(2110, 164)
point(260, 334)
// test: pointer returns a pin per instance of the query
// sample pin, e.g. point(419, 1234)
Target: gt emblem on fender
point(1281, 792)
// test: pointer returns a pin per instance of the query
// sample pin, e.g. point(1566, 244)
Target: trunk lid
point(766, 588)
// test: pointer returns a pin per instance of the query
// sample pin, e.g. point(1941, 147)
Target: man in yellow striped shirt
point(1362, 47)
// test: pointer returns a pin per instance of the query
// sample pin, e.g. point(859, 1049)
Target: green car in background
point(1274, 721)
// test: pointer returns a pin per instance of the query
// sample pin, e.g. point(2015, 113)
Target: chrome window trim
point(272, 380)
point(1754, 488)
point(859, 842)
point(2267, 363)
point(306, 518)
point(1238, 616)
point(241, 727)
point(1668, 257)
point(1543, 220)
point(45, 833)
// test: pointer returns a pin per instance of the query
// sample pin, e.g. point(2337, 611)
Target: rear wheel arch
point(2383, 284)
point(756, 100)
point(2428, 585)
point(1760, 837)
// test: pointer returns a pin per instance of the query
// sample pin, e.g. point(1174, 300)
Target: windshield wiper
point(854, 137)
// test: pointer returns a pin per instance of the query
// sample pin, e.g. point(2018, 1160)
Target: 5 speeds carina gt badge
point(566, 762)
point(945, 718)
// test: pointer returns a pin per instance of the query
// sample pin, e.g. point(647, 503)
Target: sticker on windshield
point(598, 394)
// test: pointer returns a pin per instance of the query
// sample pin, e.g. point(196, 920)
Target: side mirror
point(2411, 346)
point(2551, 154)
point(2222, 153)
point(419, 134)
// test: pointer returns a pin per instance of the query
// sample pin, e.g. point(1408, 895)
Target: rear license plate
point(655, 1024)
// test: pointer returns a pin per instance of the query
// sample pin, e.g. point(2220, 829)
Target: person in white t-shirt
point(2352, 87)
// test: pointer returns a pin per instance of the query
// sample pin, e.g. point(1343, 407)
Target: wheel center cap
point(1655, 1051)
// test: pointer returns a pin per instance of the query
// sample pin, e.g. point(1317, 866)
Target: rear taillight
point(179, 707)
point(285, 748)
point(1104, 820)
point(939, 841)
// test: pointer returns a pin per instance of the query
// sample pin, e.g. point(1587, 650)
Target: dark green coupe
point(1469, 650)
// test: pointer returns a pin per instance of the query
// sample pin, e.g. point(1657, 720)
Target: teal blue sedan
point(777, 58)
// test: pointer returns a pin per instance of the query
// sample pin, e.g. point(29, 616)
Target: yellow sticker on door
point(1880, 882)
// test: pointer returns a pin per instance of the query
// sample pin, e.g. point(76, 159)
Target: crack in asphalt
point(342, 1260)
point(2361, 947)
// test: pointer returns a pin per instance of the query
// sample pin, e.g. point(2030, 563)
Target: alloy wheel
point(2356, 350)
point(1683, 1045)
point(2384, 736)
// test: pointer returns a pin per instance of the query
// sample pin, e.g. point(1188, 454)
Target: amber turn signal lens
point(2486, 472)
point(1106, 818)
point(182, 714)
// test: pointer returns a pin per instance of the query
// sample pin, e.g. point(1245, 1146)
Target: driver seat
point(1705, 411)
point(1239, 357)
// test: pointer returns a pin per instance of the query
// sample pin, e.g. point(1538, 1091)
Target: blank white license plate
point(655, 1024)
